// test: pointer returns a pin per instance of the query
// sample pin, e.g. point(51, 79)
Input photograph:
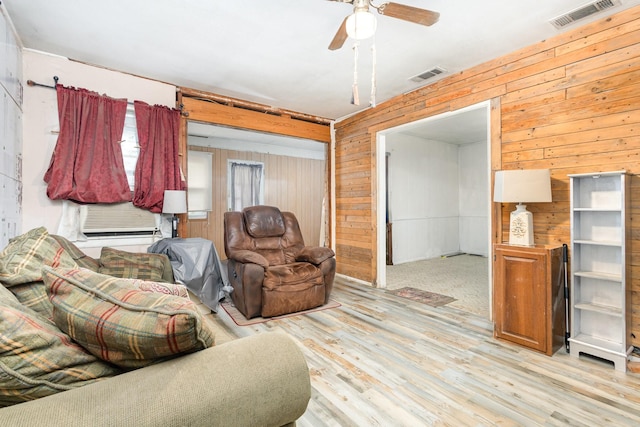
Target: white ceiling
point(275, 52)
point(464, 127)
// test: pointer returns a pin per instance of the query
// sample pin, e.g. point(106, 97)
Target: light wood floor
point(382, 360)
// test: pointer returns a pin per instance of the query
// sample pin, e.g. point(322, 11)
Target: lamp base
point(521, 227)
point(174, 226)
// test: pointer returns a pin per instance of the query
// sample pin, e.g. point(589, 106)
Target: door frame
point(381, 238)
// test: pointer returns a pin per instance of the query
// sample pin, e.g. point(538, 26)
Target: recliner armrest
point(314, 254)
point(246, 256)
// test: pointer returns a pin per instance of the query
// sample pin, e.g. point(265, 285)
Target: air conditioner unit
point(118, 218)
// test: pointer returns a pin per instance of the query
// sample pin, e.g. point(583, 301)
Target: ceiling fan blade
point(340, 37)
point(409, 13)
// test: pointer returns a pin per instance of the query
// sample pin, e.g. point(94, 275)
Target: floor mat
point(240, 320)
point(425, 297)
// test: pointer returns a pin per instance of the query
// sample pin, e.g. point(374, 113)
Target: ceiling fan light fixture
point(361, 25)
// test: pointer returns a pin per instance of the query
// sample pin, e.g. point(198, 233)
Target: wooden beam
point(182, 152)
point(226, 115)
point(241, 103)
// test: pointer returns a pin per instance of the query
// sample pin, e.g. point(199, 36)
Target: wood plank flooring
point(383, 360)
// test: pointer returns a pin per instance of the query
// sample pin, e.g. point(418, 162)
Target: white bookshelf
point(599, 294)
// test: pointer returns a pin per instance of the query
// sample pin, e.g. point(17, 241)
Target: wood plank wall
point(292, 184)
point(570, 103)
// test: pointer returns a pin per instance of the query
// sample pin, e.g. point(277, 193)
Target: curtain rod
point(55, 82)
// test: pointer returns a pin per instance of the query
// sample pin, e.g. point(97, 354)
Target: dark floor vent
point(582, 12)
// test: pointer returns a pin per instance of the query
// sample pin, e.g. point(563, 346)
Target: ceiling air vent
point(583, 12)
point(427, 74)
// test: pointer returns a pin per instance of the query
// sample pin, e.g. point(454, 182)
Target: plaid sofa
point(113, 342)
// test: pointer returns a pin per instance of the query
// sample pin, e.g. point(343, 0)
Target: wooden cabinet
point(529, 303)
point(599, 296)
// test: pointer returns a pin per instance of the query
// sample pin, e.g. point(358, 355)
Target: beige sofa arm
point(258, 380)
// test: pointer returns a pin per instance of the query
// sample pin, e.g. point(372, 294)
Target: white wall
point(438, 198)
point(423, 183)
point(40, 124)
point(474, 198)
point(10, 131)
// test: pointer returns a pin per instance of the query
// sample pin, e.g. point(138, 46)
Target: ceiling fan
point(361, 24)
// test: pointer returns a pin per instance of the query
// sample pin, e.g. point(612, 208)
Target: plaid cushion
point(37, 359)
point(124, 264)
point(121, 324)
point(34, 296)
point(167, 271)
point(23, 258)
point(83, 260)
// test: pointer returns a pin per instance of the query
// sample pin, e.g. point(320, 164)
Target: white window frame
point(200, 180)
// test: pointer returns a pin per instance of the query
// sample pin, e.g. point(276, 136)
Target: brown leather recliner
point(270, 268)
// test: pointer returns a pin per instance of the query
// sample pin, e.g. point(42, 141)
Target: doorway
point(434, 185)
point(292, 177)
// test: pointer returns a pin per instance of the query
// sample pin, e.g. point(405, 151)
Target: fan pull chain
point(372, 101)
point(355, 98)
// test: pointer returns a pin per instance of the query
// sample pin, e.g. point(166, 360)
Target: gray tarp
point(196, 265)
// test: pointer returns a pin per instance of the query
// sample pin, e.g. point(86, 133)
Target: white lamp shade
point(175, 202)
point(522, 186)
point(361, 25)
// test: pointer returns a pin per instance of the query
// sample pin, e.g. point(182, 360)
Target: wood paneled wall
point(292, 184)
point(570, 103)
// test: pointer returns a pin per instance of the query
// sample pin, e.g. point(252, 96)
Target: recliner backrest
point(263, 221)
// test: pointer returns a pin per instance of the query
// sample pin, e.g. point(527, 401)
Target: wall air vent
point(427, 74)
point(582, 12)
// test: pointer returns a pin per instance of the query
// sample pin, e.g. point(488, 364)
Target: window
point(121, 218)
point(246, 184)
point(200, 171)
point(129, 145)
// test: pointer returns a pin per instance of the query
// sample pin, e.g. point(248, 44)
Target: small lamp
point(175, 202)
point(517, 186)
point(361, 25)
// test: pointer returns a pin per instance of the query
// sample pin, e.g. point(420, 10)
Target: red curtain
point(86, 165)
point(158, 166)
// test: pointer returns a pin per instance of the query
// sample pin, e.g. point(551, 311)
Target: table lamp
point(518, 186)
point(175, 202)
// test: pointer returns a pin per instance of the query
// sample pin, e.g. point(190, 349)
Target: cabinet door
point(521, 298)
